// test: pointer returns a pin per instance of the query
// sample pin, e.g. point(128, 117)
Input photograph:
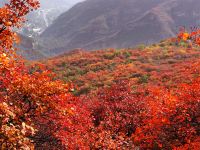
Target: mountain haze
point(97, 24)
point(49, 10)
point(37, 22)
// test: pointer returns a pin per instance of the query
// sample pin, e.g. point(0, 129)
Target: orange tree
point(35, 110)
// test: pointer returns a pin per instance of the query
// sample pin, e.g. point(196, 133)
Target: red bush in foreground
point(157, 119)
point(35, 110)
point(173, 118)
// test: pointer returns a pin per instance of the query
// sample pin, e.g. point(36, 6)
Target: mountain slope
point(49, 10)
point(37, 22)
point(164, 64)
point(26, 48)
point(96, 24)
point(40, 19)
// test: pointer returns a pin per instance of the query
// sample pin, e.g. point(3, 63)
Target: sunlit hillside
point(164, 64)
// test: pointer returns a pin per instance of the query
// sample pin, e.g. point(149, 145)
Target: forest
point(146, 97)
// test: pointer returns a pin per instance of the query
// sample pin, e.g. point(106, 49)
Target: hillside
point(131, 92)
point(163, 64)
point(139, 98)
point(118, 24)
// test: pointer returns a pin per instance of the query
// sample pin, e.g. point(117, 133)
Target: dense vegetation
point(142, 98)
point(166, 64)
point(35, 110)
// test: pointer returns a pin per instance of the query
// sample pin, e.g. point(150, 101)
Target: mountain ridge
point(99, 24)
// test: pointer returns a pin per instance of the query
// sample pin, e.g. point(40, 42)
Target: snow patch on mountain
point(39, 20)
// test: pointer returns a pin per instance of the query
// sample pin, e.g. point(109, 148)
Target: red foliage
point(193, 36)
point(35, 110)
point(173, 118)
point(156, 119)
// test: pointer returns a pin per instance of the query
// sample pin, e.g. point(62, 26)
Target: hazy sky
point(53, 3)
point(58, 3)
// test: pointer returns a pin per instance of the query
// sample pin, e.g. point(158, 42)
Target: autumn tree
point(12, 129)
point(152, 118)
point(172, 119)
point(35, 110)
point(192, 35)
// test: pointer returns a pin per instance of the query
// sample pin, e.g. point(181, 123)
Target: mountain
point(29, 48)
point(98, 24)
point(39, 20)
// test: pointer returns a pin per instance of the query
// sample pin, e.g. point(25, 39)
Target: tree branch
point(2, 29)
